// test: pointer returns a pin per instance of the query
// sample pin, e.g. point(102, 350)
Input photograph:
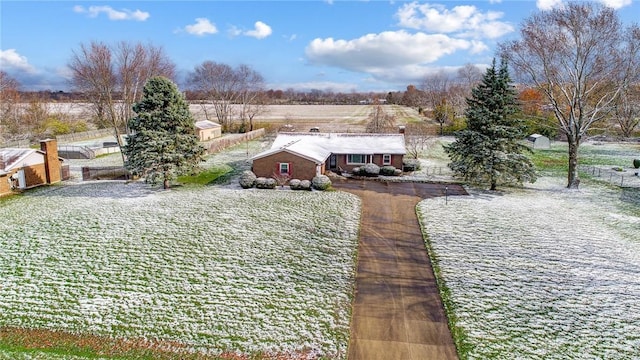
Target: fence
point(226, 141)
point(614, 176)
point(104, 173)
point(76, 152)
point(85, 135)
point(15, 144)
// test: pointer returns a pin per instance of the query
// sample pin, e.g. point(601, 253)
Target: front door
point(333, 162)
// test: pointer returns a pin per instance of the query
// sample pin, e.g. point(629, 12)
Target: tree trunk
point(572, 179)
point(165, 183)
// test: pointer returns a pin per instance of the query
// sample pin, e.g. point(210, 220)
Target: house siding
point(300, 168)
point(208, 134)
point(396, 161)
point(5, 184)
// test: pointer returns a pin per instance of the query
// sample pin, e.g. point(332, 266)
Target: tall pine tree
point(163, 144)
point(490, 150)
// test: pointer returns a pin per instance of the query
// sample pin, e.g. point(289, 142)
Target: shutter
point(290, 169)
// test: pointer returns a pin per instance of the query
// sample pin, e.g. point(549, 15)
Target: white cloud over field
point(428, 33)
point(464, 20)
point(202, 27)
point(10, 59)
point(260, 31)
point(111, 13)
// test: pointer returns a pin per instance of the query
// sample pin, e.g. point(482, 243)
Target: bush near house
point(247, 179)
point(266, 183)
point(389, 171)
point(321, 182)
point(297, 184)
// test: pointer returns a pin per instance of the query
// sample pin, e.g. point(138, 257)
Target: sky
point(333, 45)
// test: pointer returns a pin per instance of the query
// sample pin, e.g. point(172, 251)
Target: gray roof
point(206, 124)
point(12, 157)
point(318, 146)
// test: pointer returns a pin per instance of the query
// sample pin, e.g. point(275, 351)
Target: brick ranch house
point(26, 168)
point(305, 155)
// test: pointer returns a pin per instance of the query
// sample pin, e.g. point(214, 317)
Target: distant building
point(208, 130)
point(538, 141)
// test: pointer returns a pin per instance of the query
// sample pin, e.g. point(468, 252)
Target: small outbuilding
point(208, 130)
point(538, 141)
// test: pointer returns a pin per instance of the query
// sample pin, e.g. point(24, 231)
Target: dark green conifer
point(490, 150)
point(163, 144)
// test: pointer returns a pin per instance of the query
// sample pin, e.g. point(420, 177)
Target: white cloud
point(10, 59)
point(386, 50)
point(463, 20)
point(112, 14)
point(546, 5)
point(616, 4)
point(202, 27)
point(260, 31)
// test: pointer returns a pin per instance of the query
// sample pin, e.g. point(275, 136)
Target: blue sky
point(339, 46)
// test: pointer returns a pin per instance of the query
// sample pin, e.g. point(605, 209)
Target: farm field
point(542, 272)
point(197, 269)
point(329, 118)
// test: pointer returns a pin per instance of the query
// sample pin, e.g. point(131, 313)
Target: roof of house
point(11, 158)
point(318, 146)
point(206, 124)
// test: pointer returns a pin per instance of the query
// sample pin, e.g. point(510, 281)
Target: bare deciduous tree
point(379, 120)
point(224, 86)
point(9, 101)
point(112, 78)
point(251, 89)
point(581, 57)
point(627, 110)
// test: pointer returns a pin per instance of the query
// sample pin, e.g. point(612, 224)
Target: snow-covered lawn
point(215, 268)
point(542, 272)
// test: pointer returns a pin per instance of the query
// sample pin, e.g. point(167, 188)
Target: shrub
point(294, 184)
point(321, 182)
point(636, 163)
point(370, 170)
point(397, 172)
point(411, 164)
point(356, 171)
point(388, 170)
point(266, 183)
point(247, 179)
point(305, 185)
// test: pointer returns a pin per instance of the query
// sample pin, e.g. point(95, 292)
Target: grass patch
point(208, 176)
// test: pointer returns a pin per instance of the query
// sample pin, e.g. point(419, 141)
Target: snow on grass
point(540, 273)
point(220, 270)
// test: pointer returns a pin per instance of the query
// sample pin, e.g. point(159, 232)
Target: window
point(386, 159)
point(284, 168)
point(356, 159)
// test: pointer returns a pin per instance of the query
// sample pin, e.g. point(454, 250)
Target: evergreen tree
point(490, 149)
point(163, 144)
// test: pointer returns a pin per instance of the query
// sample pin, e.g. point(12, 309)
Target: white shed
point(538, 141)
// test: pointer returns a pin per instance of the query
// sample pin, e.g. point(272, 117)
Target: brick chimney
point(52, 166)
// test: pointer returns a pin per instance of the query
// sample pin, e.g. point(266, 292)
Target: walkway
point(398, 313)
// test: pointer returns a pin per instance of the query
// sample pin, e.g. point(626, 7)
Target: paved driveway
point(398, 313)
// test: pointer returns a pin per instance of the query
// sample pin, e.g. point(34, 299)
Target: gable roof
point(206, 124)
point(13, 158)
point(318, 146)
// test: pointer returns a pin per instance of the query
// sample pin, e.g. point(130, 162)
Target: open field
point(205, 269)
point(329, 118)
point(542, 272)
